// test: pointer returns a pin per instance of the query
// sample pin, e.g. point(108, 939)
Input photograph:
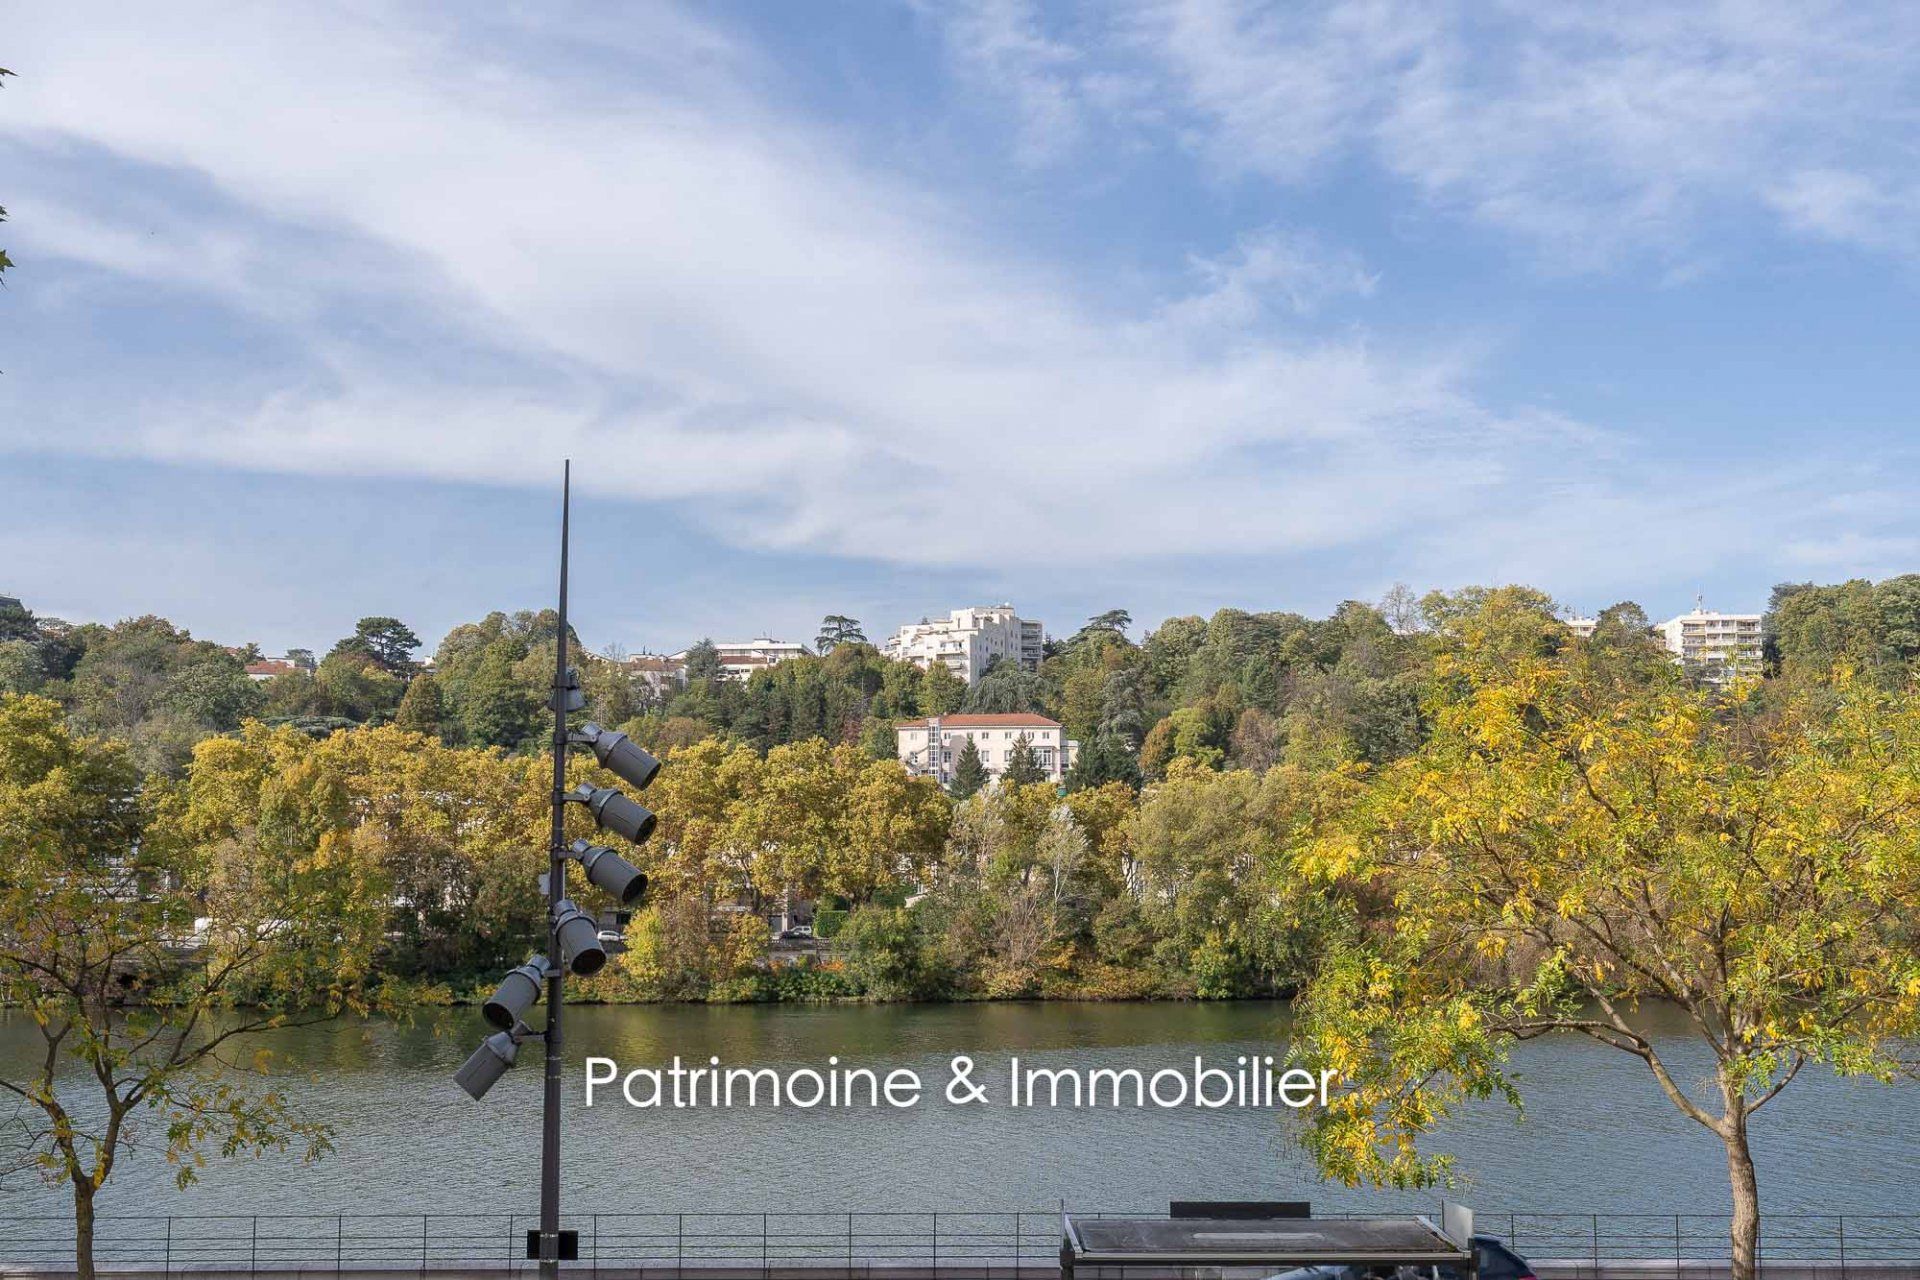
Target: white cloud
point(1587, 132)
point(486, 260)
point(1000, 47)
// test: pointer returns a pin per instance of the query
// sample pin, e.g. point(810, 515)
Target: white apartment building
point(1718, 645)
point(1582, 627)
point(932, 747)
point(739, 659)
point(966, 640)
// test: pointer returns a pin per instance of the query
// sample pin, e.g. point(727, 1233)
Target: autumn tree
point(143, 960)
point(1572, 850)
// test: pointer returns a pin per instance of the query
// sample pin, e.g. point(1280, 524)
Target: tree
point(20, 667)
point(703, 661)
point(422, 709)
point(1007, 687)
point(498, 710)
point(16, 621)
point(388, 641)
point(143, 960)
point(1101, 762)
point(1023, 764)
point(353, 685)
point(1569, 851)
point(1113, 622)
point(941, 692)
point(838, 629)
point(969, 772)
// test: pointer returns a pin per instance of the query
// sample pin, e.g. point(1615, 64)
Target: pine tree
point(1023, 764)
point(970, 774)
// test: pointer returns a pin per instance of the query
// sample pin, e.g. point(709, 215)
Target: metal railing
point(740, 1243)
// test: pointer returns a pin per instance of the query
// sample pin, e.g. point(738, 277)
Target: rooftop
point(1004, 720)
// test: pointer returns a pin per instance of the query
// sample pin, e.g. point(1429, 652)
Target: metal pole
point(556, 890)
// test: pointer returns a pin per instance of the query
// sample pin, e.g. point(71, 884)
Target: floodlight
point(575, 699)
point(619, 753)
point(615, 812)
point(518, 992)
point(488, 1063)
point(579, 939)
point(608, 870)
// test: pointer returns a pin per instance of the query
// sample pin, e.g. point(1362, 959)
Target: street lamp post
point(556, 894)
point(573, 940)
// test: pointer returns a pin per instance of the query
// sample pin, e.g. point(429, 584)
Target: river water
point(1598, 1134)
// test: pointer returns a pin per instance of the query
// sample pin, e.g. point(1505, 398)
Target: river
point(1598, 1134)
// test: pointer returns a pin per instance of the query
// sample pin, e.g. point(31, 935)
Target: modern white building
point(967, 640)
point(1717, 645)
point(1582, 627)
point(932, 746)
point(739, 659)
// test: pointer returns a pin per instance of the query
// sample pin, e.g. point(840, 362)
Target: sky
point(884, 309)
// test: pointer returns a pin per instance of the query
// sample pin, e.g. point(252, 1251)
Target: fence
point(739, 1243)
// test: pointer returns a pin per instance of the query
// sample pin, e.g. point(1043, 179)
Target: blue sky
point(888, 308)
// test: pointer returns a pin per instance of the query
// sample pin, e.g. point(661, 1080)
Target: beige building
point(932, 747)
point(1718, 646)
point(967, 640)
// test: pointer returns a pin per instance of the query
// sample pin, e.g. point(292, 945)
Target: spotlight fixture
point(579, 936)
point(614, 812)
point(609, 871)
point(481, 1071)
point(619, 754)
point(517, 993)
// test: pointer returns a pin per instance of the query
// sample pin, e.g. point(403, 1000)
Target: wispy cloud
point(1586, 132)
point(626, 243)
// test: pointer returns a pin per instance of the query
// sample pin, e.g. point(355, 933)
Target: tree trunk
point(1746, 1202)
point(83, 1229)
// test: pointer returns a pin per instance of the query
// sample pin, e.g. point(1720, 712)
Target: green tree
point(941, 692)
point(969, 772)
point(422, 709)
point(497, 709)
point(703, 661)
point(20, 667)
point(144, 961)
point(838, 629)
point(16, 621)
point(887, 955)
point(1007, 687)
point(388, 641)
point(1023, 764)
point(353, 685)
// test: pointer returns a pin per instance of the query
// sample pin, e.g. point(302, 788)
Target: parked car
point(1497, 1262)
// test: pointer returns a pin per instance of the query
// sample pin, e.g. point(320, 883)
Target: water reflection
point(1598, 1134)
